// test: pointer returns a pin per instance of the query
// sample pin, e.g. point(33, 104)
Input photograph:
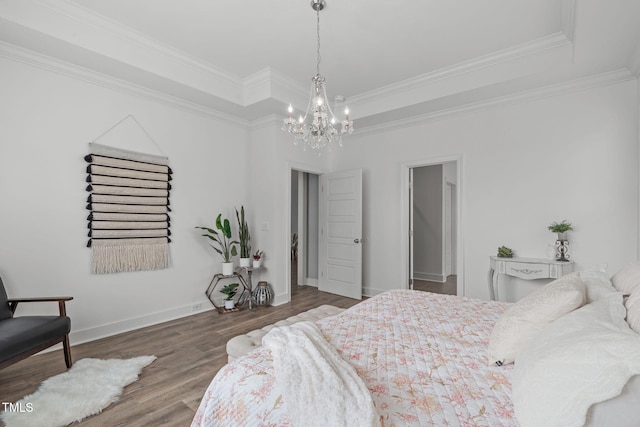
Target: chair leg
point(67, 351)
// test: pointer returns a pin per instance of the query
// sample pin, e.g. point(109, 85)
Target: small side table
point(524, 268)
point(249, 286)
point(216, 280)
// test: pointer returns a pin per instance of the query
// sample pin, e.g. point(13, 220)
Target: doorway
point(432, 224)
point(303, 256)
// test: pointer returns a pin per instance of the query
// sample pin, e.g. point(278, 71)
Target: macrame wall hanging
point(129, 209)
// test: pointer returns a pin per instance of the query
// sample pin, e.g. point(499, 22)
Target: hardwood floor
point(189, 350)
point(449, 287)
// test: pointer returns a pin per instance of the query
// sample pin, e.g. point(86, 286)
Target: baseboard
point(372, 292)
point(281, 299)
point(431, 277)
point(126, 325)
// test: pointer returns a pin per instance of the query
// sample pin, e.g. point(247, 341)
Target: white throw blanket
point(318, 386)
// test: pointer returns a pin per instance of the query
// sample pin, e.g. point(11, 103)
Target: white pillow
point(524, 319)
point(583, 358)
point(628, 278)
point(597, 282)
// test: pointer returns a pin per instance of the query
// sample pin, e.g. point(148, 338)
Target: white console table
point(524, 268)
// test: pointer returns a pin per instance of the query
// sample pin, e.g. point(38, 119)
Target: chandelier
point(319, 127)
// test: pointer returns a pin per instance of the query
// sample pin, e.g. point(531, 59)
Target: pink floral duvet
point(423, 356)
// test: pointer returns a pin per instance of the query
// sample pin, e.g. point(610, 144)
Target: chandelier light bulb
point(290, 109)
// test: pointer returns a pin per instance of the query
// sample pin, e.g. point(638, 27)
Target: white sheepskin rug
point(84, 390)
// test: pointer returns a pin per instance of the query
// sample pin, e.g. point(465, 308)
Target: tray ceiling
point(389, 59)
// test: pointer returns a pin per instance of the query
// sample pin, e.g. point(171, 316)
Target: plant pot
point(257, 263)
point(229, 304)
point(562, 236)
point(227, 268)
point(245, 262)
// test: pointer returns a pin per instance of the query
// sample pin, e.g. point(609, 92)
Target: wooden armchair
point(22, 336)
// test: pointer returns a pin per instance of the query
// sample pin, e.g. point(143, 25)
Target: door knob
point(356, 240)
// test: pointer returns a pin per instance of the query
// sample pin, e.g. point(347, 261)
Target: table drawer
point(525, 270)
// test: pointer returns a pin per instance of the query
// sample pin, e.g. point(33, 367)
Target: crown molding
point(72, 24)
point(102, 23)
point(604, 79)
point(47, 63)
point(510, 63)
point(469, 66)
point(270, 83)
point(267, 121)
point(69, 24)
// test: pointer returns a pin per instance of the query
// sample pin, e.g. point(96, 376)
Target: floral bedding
point(423, 357)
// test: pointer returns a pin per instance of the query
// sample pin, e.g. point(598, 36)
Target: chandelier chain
point(318, 36)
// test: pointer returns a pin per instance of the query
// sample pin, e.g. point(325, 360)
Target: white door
point(340, 240)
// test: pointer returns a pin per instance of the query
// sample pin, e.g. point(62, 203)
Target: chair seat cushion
point(20, 334)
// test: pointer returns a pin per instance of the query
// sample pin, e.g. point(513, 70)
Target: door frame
point(404, 216)
point(299, 167)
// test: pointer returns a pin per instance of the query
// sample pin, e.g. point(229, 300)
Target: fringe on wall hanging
point(129, 210)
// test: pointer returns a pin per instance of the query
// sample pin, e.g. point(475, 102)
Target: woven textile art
point(129, 210)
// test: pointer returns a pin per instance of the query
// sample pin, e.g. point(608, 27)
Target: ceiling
point(390, 60)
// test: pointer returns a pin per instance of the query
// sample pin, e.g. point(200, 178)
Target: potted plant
point(257, 258)
point(222, 243)
point(230, 291)
point(505, 252)
point(561, 228)
point(562, 244)
point(245, 239)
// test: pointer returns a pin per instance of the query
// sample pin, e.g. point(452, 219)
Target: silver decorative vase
point(562, 250)
point(262, 294)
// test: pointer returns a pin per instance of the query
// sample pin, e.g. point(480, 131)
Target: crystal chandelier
point(319, 127)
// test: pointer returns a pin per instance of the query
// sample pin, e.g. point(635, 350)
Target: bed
point(424, 359)
point(422, 356)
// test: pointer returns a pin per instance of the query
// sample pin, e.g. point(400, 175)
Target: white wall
point(573, 156)
point(272, 156)
point(46, 121)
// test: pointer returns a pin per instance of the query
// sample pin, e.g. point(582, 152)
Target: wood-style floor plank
point(189, 350)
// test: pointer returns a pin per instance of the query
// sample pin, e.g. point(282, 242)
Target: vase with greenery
point(222, 243)
point(244, 238)
point(230, 291)
point(562, 244)
point(561, 228)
